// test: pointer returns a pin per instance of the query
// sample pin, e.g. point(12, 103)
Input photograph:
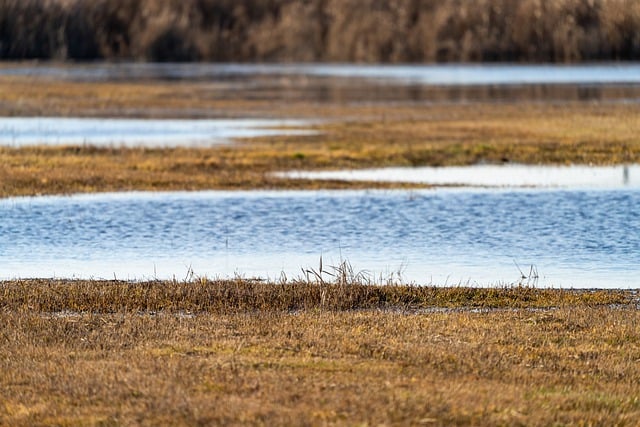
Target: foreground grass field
point(351, 135)
point(244, 352)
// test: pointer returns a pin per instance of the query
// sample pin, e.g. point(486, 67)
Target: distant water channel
point(23, 131)
point(438, 74)
point(559, 238)
point(507, 175)
point(351, 83)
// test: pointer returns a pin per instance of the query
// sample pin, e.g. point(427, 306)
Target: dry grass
point(237, 352)
point(354, 136)
point(321, 30)
point(241, 295)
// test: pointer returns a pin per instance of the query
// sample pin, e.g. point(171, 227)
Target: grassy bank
point(241, 352)
point(321, 30)
point(352, 135)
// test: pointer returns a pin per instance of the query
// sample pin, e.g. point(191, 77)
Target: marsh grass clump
point(247, 295)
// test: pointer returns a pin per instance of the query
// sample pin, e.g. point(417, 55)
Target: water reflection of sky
point(573, 238)
point(21, 131)
point(508, 175)
point(619, 82)
point(446, 74)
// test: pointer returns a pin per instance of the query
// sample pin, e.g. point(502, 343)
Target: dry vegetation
point(366, 135)
point(321, 30)
point(300, 353)
point(242, 352)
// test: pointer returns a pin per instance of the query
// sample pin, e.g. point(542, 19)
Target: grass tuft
point(344, 292)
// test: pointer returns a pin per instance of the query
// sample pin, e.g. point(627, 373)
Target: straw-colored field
point(237, 352)
point(352, 135)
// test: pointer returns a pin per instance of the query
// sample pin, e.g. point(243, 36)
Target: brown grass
point(354, 135)
point(238, 352)
point(241, 295)
point(321, 30)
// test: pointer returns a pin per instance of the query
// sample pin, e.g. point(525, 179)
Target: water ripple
point(574, 237)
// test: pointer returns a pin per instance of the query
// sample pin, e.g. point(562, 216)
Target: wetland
point(312, 128)
point(181, 283)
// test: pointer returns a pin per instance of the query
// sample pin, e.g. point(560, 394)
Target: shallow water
point(22, 131)
point(573, 238)
point(513, 175)
point(439, 74)
point(458, 83)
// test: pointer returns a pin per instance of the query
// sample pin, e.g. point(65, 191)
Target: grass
point(243, 352)
point(353, 136)
point(342, 352)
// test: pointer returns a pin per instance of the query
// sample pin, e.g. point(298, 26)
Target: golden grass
point(239, 352)
point(241, 295)
point(353, 136)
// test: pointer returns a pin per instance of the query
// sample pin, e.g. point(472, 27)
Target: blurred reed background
point(368, 31)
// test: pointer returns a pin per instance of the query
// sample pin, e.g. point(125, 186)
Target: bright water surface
point(574, 238)
point(508, 175)
point(21, 131)
point(441, 74)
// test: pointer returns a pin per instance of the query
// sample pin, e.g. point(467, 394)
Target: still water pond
point(573, 238)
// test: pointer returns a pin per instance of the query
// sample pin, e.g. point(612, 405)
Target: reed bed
point(321, 30)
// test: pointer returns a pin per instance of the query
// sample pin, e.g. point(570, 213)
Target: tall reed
point(321, 30)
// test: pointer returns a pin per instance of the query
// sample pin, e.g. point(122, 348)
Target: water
point(21, 131)
point(440, 74)
point(511, 175)
point(458, 83)
point(573, 238)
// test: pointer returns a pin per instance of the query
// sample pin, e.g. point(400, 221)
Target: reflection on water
point(574, 238)
point(21, 131)
point(575, 176)
point(373, 83)
point(434, 75)
point(332, 90)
